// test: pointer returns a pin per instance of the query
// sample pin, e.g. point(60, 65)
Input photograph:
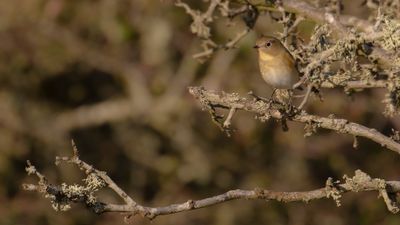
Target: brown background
point(113, 75)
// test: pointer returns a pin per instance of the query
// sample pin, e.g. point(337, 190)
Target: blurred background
point(113, 76)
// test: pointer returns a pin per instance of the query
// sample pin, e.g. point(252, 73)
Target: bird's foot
point(259, 98)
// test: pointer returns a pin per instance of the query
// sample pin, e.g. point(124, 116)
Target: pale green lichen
point(310, 128)
point(94, 182)
point(396, 135)
point(76, 192)
point(362, 181)
point(60, 206)
point(30, 169)
point(332, 191)
point(392, 97)
point(391, 37)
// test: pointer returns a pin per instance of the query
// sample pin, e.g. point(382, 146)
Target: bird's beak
point(256, 46)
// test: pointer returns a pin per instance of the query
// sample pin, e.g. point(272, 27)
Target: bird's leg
point(285, 127)
point(290, 109)
point(272, 95)
point(258, 98)
point(290, 94)
point(271, 98)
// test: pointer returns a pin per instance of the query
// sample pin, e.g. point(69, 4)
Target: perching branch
point(62, 195)
point(224, 100)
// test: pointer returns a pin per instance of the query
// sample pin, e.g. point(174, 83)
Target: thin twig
point(305, 99)
point(228, 45)
point(227, 122)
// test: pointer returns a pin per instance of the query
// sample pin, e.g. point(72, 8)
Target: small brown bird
point(277, 65)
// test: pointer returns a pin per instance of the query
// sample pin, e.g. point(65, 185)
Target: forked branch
point(61, 196)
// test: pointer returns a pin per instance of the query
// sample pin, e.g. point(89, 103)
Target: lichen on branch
point(61, 196)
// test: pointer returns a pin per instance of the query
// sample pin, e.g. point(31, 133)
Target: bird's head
point(268, 47)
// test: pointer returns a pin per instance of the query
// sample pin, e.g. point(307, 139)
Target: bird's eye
point(268, 44)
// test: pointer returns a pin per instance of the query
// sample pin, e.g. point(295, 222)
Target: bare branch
point(200, 25)
point(227, 123)
point(305, 99)
point(229, 45)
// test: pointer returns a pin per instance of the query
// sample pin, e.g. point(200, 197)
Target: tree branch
point(225, 100)
point(62, 195)
point(338, 22)
point(358, 84)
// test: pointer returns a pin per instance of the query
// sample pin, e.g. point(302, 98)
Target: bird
point(277, 65)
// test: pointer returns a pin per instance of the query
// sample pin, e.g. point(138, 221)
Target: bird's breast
point(278, 72)
point(266, 57)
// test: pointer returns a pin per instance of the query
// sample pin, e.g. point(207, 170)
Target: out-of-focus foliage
point(113, 75)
